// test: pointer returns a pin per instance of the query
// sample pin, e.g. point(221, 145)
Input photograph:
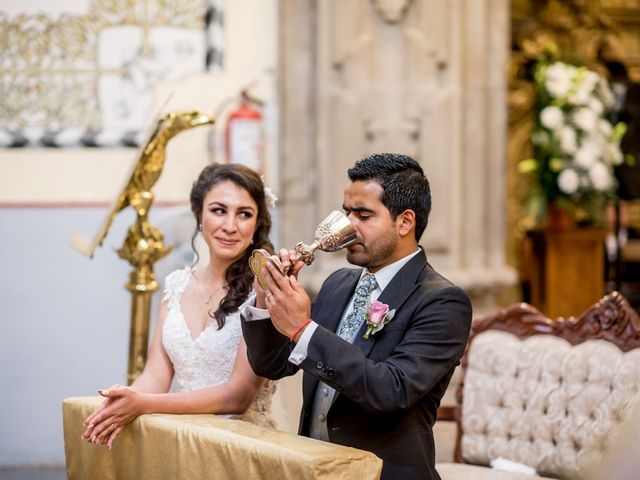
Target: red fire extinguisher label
point(245, 139)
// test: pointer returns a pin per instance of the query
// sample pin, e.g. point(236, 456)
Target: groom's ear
point(406, 223)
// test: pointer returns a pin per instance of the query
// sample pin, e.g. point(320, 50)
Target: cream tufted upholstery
point(542, 401)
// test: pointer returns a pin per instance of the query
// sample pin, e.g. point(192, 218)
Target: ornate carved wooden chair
point(545, 393)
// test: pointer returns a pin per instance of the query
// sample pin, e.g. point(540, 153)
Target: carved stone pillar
point(484, 47)
point(297, 85)
point(421, 77)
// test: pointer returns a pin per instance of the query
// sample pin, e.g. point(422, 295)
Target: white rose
point(585, 119)
point(595, 142)
point(596, 106)
point(568, 181)
point(605, 128)
point(601, 178)
point(568, 140)
point(581, 95)
point(558, 88)
point(551, 117)
point(613, 154)
point(588, 153)
point(586, 82)
point(558, 78)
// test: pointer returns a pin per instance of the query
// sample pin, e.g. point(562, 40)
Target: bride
point(198, 338)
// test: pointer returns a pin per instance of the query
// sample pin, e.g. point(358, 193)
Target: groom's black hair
point(404, 184)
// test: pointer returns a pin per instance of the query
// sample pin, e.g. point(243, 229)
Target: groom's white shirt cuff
point(299, 353)
point(250, 313)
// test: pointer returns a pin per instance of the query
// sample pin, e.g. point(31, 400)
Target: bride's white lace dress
point(208, 359)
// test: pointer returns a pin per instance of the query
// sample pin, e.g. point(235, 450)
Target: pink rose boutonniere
point(379, 315)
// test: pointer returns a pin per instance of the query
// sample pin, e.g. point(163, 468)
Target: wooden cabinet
point(566, 270)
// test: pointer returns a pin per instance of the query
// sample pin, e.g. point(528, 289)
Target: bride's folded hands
point(124, 404)
point(121, 406)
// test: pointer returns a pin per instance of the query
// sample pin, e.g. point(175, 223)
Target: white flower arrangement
point(575, 145)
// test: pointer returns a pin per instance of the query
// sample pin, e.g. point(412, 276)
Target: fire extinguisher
point(244, 135)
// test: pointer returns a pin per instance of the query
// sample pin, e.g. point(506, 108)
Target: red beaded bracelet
point(300, 328)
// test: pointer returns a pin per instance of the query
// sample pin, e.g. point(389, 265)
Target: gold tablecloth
point(163, 446)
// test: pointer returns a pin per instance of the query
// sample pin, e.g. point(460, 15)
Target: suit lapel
point(395, 295)
point(330, 316)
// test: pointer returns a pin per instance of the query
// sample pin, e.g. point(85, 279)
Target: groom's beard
point(375, 252)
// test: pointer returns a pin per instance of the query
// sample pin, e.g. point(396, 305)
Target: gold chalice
point(334, 233)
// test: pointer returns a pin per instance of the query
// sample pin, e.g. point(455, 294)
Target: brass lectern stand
point(144, 244)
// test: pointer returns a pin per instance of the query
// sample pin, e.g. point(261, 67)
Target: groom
point(379, 393)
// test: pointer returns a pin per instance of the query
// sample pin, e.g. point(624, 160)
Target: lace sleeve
point(174, 285)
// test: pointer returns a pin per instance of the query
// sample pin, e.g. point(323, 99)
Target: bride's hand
point(122, 405)
point(88, 422)
point(260, 295)
point(288, 257)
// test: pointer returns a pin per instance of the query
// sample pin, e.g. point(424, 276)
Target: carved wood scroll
point(611, 319)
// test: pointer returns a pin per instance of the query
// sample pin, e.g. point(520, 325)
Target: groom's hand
point(261, 301)
point(288, 304)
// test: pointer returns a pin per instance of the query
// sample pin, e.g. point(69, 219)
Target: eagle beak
point(202, 119)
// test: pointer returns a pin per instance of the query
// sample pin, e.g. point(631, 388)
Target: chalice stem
point(305, 253)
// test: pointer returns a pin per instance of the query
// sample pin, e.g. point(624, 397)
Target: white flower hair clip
point(270, 197)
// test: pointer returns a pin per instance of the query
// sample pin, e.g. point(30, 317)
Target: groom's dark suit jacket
point(389, 386)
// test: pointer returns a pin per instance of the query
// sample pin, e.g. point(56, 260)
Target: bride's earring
point(200, 228)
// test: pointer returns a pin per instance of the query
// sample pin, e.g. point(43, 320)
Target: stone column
point(421, 77)
point(298, 187)
point(482, 267)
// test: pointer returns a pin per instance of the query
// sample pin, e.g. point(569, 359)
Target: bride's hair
point(238, 276)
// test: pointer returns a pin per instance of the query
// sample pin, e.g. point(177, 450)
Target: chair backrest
point(547, 393)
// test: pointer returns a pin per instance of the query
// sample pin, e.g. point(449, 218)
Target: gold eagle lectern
point(144, 243)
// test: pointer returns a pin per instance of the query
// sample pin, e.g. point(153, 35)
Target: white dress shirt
point(383, 277)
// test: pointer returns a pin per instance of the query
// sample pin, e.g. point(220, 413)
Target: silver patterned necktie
point(352, 322)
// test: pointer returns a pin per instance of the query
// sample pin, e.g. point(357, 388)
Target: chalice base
point(260, 258)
